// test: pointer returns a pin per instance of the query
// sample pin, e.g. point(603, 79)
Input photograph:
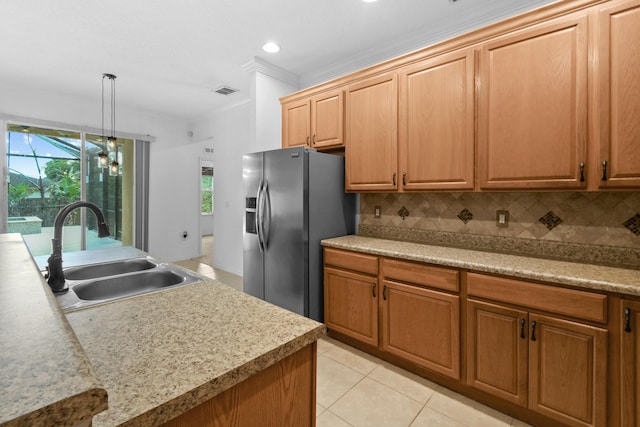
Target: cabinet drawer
point(351, 261)
point(570, 302)
point(421, 274)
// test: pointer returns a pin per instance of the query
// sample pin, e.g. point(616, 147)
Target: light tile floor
point(203, 265)
point(357, 389)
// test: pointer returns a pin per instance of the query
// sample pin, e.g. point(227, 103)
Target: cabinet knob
point(373, 289)
point(627, 319)
point(604, 170)
point(582, 172)
point(522, 323)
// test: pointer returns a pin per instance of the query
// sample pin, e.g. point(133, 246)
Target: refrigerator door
point(285, 232)
point(253, 262)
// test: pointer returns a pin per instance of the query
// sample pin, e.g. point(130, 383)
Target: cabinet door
point(351, 304)
point(295, 124)
point(630, 362)
point(422, 326)
point(497, 350)
point(437, 123)
point(532, 114)
point(327, 120)
point(371, 149)
point(619, 92)
point(568, 371)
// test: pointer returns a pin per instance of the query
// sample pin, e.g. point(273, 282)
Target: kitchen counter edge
point(588, 276)
point(45, 374)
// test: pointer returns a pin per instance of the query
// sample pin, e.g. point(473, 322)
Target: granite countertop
point(45, 376)
point(163, 353)
point(588, 276)
point(156, 355)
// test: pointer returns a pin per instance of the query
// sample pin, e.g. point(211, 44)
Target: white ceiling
point(170, 55)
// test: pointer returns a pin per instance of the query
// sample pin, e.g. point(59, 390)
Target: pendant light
point(103, 158)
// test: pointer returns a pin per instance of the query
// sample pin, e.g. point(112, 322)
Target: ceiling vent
point(225, 90)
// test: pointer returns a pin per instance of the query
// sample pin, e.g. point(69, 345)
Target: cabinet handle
point(522, 322)
point(394, 179)
point(582, 172)
point(373, 289)
point(627, 319)
point(384, 292)
point(313, 140)
point(604, 170)
point(533, 330)
point(307, 141)
point(404, 179)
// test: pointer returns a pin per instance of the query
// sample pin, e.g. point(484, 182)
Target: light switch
point(377, 211)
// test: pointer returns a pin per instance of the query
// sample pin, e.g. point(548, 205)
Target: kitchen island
point(183, 352)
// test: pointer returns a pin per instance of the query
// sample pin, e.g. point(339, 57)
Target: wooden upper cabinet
point(630, 364)
point(327, 120)
point(532, 107)
point(296, 124)
point(618, 80)
point(437, 123)
point(371, 149)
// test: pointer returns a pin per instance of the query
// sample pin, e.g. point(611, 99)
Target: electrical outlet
point(502, 218)
point(377, 211)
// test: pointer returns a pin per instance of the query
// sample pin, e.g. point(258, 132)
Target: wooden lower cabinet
point(630, 363)
point(555, 367)
point(283, 394)
point(497, 348)
point(422, 326)
point(351, 304)
point(568, 371)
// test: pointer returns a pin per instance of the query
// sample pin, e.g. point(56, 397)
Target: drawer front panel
point(421, 274)
point(351, 261)
point(570, 302)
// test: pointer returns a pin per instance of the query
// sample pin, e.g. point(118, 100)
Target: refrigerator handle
point(259, 216)
point(266, 215)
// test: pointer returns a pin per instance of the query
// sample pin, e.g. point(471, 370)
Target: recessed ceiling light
point(271, 47)
point(368, 1)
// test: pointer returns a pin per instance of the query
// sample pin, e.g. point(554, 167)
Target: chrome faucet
point(55, 276)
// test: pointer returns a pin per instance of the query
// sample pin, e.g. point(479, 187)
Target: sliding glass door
point(49, 168)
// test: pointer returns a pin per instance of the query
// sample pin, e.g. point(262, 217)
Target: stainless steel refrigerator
point(294, 198)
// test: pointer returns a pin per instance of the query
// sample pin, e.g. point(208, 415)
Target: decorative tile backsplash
point(598, 218)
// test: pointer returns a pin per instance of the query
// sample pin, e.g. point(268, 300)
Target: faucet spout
point(55, 276)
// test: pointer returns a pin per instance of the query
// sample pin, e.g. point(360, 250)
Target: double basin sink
point(99, 283)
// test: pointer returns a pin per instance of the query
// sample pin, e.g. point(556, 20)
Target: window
point(206, 187)
point(50, 168)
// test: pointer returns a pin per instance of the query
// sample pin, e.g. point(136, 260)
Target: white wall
point(268, 119)
point(174, 164)
point(228, 133)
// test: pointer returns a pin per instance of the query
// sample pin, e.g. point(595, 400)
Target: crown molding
point(264, 67)
point(480, 16)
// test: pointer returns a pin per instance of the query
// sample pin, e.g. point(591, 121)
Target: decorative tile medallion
point(465, 215)
point(550, 220)
point(633, 224)
point(403, 212)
